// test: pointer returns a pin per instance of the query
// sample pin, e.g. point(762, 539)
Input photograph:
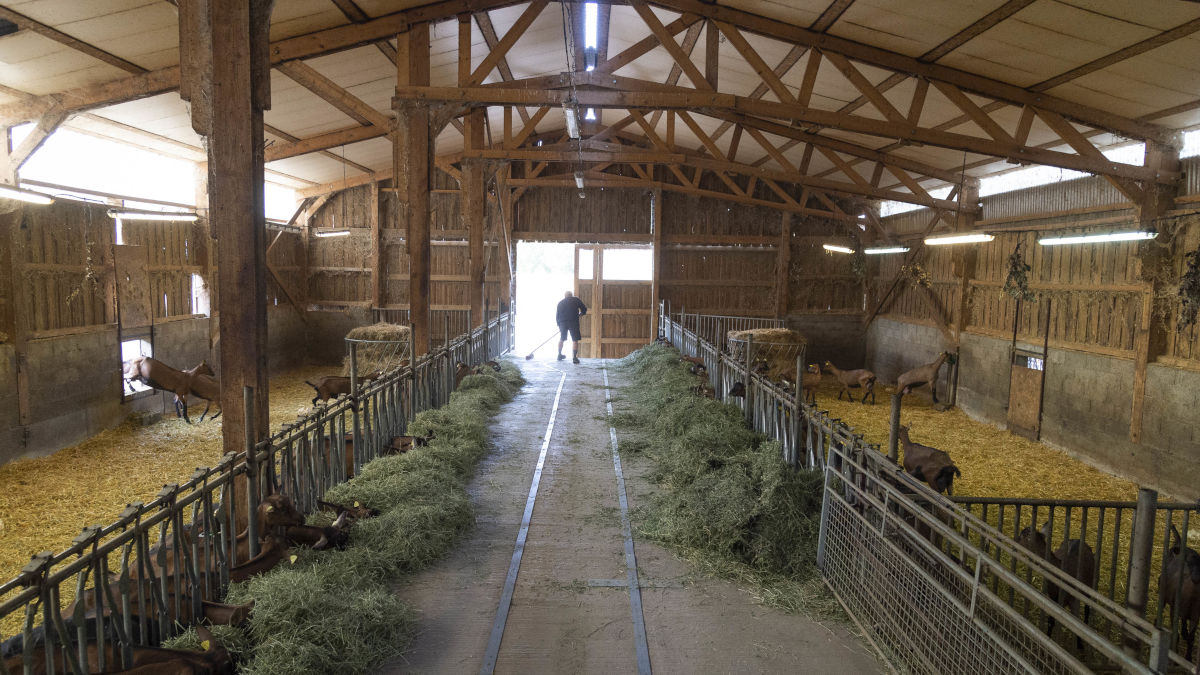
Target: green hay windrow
point(729, 502)
point(335, 611)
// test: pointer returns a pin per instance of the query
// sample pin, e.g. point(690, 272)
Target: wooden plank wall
point(286, 258)
point(820, 282)
point(340, 267)
point(63, 256)
point(173, 258)
point(604, 216)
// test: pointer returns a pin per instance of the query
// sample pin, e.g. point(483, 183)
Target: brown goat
point(336, 535)
point(332, 386)
point(812, 379)
point(274, 549)
point(158, 375)
point(461, 370)
point(355, 511)
point(927, 464)
point(1181, 573)
point(399, 445)
point(922, 375)
point(853, 379)
point(1074, 557)
point(215, 660)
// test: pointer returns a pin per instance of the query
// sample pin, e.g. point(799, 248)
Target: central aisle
point(571, 608)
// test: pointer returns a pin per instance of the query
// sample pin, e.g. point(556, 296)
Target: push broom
point(530, 356)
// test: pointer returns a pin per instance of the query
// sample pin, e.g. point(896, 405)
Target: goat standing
point(1181, 573)
point(853, 379)
point(926, 374)
point(929, 464)
point(1074, 557)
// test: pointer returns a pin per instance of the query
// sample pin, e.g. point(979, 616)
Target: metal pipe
point(894, 428)
point(251, 470)
point(1141, 549)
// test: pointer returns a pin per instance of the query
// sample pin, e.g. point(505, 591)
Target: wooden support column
point(378, 264)
point(783, 265)
point(656, 234)
point(965, 258)
point(1155, 254)
point(16, 322)
point(412, 164)
point(474, 209)
point(504, 241)
point(226, 77)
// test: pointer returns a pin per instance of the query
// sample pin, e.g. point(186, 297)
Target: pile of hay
point(335, 611)
point(728, 500)
point(779, 347)
point(385, 355)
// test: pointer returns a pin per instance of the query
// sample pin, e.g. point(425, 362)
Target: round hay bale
point(384, 346)
point(779, 347)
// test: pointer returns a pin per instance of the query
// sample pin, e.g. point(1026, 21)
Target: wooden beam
point(990, 20)
point(378, 259)
point(413, 166)
point(656, 246)
point(896, 62)
point(645, 45)
point(783, 266)
point(355, 14)
point(506, 43)
point(474, 212)
point(62, 38)
point(830, 16)
point(712, 53)
point(667, 40)
point(756, 62)
point(321, 143)
point(484, 21)
point(41, 132)
point(331, 93)
point(1153, 42)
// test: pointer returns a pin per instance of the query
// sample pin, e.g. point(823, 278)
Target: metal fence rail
point(138, 579)
point(890, 566)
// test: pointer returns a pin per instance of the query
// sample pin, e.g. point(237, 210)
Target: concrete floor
point(566, 616)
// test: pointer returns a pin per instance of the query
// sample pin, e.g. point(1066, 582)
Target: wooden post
point(965, 259)
point(1141, 550)
point(784, 263)
point(1150, 339)
point(656, 253)
point(412, 163)
point(16, 319)
point(226, 76)
point(378, 264)
point(894, 428)
point(474, 203)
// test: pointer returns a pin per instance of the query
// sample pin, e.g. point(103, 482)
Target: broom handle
point(544, 342)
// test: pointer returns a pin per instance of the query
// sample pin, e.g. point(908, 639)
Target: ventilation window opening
point(200, 298)
point(130, 350)
point(628, 264)
point(590, 34)
point(590, 115)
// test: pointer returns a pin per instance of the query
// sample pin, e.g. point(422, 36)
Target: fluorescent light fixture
point(572, 120)
point(1094, 238)
point(590, 115)
point(579, 179)
point(331, 233)
point(836, 249)
point(169, 216)
point(885, 250)
point(959, 239)
point(9, 192)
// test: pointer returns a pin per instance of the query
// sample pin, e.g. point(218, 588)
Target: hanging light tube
point(973, 238)
point(1095, 238)
point(836, 249)
point(167, 216)
point(579, 179)
point(331, 233)
point(884, 250)
point(10, 192)
point(572, 120)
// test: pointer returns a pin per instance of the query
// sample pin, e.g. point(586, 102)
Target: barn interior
point(1014, 183)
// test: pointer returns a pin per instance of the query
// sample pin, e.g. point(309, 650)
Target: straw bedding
point(45, 502)
point(382, 357)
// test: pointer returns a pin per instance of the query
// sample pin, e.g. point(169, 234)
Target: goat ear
point(270, 508)
point(1046, 529)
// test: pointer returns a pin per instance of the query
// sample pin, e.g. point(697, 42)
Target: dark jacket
point(569, 311)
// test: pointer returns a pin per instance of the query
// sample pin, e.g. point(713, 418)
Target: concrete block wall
point(326, 334)
point(833, 337)
point(1087, 402)
point(287, 341)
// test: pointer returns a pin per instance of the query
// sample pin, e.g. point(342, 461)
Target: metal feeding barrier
point(145, 576)
point(940, 583)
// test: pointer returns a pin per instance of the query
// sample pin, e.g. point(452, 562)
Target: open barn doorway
point(544, 271)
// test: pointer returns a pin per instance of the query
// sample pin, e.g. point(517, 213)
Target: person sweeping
point(570, 308)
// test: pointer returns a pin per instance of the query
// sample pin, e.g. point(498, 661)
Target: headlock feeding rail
point(114, 573)
point(941, 584)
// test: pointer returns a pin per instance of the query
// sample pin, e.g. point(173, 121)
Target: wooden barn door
point(1028, 377)
point(620, 308)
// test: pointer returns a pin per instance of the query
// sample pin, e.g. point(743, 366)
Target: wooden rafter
point(645, 45)
point(331, 93)
point(484, 21)
point(506, 43)
point(74, 43)
point(40, 133)
point(831, 14)
point(353, 12)
point(1132, 50)
point(293, 143)
point(668, 42)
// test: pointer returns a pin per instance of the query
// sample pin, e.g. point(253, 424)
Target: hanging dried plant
point(1189, 291)
point(858, 265)
point(1016, 284)
point(917, 274)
